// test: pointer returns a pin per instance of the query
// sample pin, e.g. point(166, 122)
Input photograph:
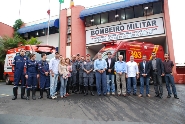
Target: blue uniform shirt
point(100, 64)
point(32, 67)
point(19, 62)
point(43, 67)
point(120, 67)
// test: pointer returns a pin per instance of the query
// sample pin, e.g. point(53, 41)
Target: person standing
point(157, 73)
point(74, 73)
point(62, 68)
point(18, 65)
point(43, 67)
point(131, 74)
point(78, 72)
point(69, 69)
point(110, 74)
point(144, 70)
point(88, 74)
point(100, 67)
point(121, 69)
point(81, 81)
point(169, 79)
point(31, 76)
point(53, 67)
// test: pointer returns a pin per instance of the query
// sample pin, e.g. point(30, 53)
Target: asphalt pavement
point(81, 109)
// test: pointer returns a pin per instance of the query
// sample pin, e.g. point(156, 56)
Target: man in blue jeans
point(53, 67)
point(168, 65)
point(131, 74)
point(144, 70)
point(100, 66)
point(110, 74)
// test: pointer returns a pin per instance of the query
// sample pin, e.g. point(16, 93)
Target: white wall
point(68, 51)
point(53, 39)
point(177, 27)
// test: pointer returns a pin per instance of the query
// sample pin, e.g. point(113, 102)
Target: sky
point(32, 10)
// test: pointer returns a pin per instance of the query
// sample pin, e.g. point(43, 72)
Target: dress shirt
point(120, 67)
point(53, 65)
point(100, 64)
point(132, 69)
point(109, 61)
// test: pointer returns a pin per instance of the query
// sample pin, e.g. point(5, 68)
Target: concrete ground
point(97, 109)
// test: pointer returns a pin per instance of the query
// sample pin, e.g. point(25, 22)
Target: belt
point(155, 70)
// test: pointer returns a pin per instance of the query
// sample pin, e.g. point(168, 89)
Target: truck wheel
point(7, 79)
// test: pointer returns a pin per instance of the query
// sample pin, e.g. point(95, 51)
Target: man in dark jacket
point(110, 73)
point(157, 69)
point(144, 70)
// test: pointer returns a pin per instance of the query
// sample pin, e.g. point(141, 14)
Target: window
point(88, 21)
point(122, 14)
point(112, 16)
point(129, 13)
point(104, 18)
point(138, 11)
point(69, 20)
point(148, 11)
point(157, 8)
point(96, 19)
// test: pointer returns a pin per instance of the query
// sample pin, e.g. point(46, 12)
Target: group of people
point(77, 74)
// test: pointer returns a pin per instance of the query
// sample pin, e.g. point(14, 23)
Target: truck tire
point(7, 80)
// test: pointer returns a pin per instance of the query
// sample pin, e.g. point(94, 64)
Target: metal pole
point(48, 25)
point(59, 28)
point(20, 10)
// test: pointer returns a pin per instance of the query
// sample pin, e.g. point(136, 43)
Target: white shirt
point(132, 69)
point(53, 65)
point(109, 61)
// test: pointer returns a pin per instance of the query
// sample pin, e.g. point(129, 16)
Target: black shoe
point(15, 93)
point(175, 96)
point(99, 94)
point(169, 96)
point(86, 91)
point(134, 94)
point(33, 94)
point(81, 89)
point(22, 93)
point(105, 94)
point(157, 95)
point(41, 93)
point(28, 94)
point(160, 96)
point(91, 88)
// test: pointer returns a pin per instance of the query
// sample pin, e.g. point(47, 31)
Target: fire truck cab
point(134, 48)
point(36, 49)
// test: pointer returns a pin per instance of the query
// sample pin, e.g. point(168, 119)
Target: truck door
point(123, 53)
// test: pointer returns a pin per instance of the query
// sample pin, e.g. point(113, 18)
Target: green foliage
point(33, 41)
point(18, 24)
point(7, 43)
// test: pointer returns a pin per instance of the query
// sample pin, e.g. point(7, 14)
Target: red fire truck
point(36, 49)
point(134, 48)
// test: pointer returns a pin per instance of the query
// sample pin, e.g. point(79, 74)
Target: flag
point(48, 12)
point(71, 4)
point(61, 1)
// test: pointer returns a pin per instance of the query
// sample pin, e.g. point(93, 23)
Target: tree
point(33, 41)
point(7, 43)
point(17, 26)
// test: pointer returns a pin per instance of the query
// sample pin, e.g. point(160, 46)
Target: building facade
point(83, 30)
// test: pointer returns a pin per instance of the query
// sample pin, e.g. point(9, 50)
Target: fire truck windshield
point(104, 53)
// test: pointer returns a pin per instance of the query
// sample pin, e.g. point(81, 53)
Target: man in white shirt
point(131, 74)
point(53, 67)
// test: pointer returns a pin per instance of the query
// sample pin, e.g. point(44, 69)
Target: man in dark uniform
point(88, 74)
point(81, 81)
point(74, 73)
point(43, 67)
point(18, 66)
point(169, 79)
point(157, 69)
point(78, 73)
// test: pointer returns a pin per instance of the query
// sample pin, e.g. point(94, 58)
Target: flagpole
point(20, 10)
point(59, 28)
point(48, 24)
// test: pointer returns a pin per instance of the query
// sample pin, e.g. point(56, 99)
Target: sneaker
point(175, 96)
point(67, 94)
point(56, 93)
point(140, 95)
point(148, 95)
point(134, 94)
point(112, 94)
point(53, 97)
point(108, 93)
point(168, 96)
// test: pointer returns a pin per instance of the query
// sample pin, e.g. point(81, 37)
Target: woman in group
point(69, 69)
point(31, 76)
point(62, 68)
